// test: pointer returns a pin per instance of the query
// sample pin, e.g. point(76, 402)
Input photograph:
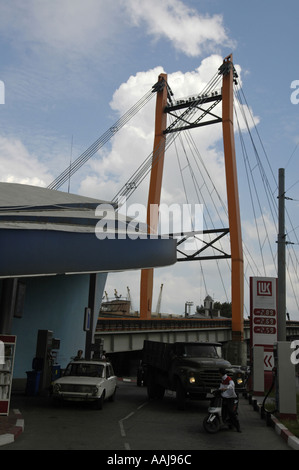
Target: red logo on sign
point(264, 288)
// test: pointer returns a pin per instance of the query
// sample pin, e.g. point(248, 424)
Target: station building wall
point(55, 303)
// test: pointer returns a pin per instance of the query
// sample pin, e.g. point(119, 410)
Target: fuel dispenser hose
point(265, 412)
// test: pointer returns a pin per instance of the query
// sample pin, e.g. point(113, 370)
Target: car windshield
point(202, 350)
point(84, 370)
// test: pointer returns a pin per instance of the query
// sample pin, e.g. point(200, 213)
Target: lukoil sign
point(264, 288)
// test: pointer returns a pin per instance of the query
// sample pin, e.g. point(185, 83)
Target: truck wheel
point(139, 378)
point(180, 396)
point(154, 391)
point(151, 388)
point(160, 391)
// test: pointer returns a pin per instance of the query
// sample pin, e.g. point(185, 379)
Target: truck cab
point(191, 369)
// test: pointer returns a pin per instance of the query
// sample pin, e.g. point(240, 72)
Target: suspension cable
point(102, 140)
point(144, 169)
point(272, 201)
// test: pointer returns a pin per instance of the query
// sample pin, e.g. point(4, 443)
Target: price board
point(263, 321)
point(263, 310)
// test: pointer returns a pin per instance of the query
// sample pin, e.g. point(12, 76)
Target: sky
point(71, 68)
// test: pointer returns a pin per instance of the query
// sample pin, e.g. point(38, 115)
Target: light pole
point(281, 295)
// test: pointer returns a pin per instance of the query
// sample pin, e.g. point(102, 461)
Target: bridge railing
point(126, 324)
point(116, 324)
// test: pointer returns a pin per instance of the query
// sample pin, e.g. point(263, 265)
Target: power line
point(292, 154)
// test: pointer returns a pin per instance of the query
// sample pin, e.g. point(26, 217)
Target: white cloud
point(180, 284)
point(132, 144)
point(79, 34)
point(187, 30)
point(17, 165)
point(61, 42)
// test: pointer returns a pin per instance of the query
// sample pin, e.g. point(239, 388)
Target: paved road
point(133, 423)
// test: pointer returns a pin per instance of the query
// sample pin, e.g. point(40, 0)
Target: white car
point(91, 381)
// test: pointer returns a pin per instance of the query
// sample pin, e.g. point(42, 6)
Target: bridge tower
point(147, 275)
point(237, 272)
point(237, 278)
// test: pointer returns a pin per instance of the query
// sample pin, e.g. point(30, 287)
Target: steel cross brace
point(196, 255)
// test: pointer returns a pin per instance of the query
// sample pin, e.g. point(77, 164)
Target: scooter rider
point(227, 388)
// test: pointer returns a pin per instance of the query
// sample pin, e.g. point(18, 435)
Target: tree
point(225, 309)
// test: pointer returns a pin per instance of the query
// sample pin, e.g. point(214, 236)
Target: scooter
point(215, 420)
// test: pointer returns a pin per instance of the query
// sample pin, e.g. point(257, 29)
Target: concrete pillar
point(258, 370)
point(236, 352)
point(93, 315)
point(286, 381)
point(7, 304)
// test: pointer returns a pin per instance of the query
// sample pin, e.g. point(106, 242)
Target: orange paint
point(147, 275)
point(237, 273)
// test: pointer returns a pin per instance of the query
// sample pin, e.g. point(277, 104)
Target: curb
point(126, 379)
point(279, 428)
point(11, 427)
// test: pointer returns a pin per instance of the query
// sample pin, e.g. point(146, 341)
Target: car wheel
point(112, 397)
point(100, 402)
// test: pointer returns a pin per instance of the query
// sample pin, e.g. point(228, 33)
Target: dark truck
point(189, 369)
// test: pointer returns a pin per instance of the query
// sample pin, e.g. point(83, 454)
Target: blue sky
point(71, 68)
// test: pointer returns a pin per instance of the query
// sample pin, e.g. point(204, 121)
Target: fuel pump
point(98, 348)
point(45, 355)
point(274, 384)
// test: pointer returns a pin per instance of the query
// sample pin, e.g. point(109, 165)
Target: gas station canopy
point(44, 232)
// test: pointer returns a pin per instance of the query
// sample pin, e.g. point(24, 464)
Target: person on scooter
point(227, 388)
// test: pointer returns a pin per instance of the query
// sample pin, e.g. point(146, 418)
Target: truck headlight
point(95, 390)
point(239, 381)
point(192, 379)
